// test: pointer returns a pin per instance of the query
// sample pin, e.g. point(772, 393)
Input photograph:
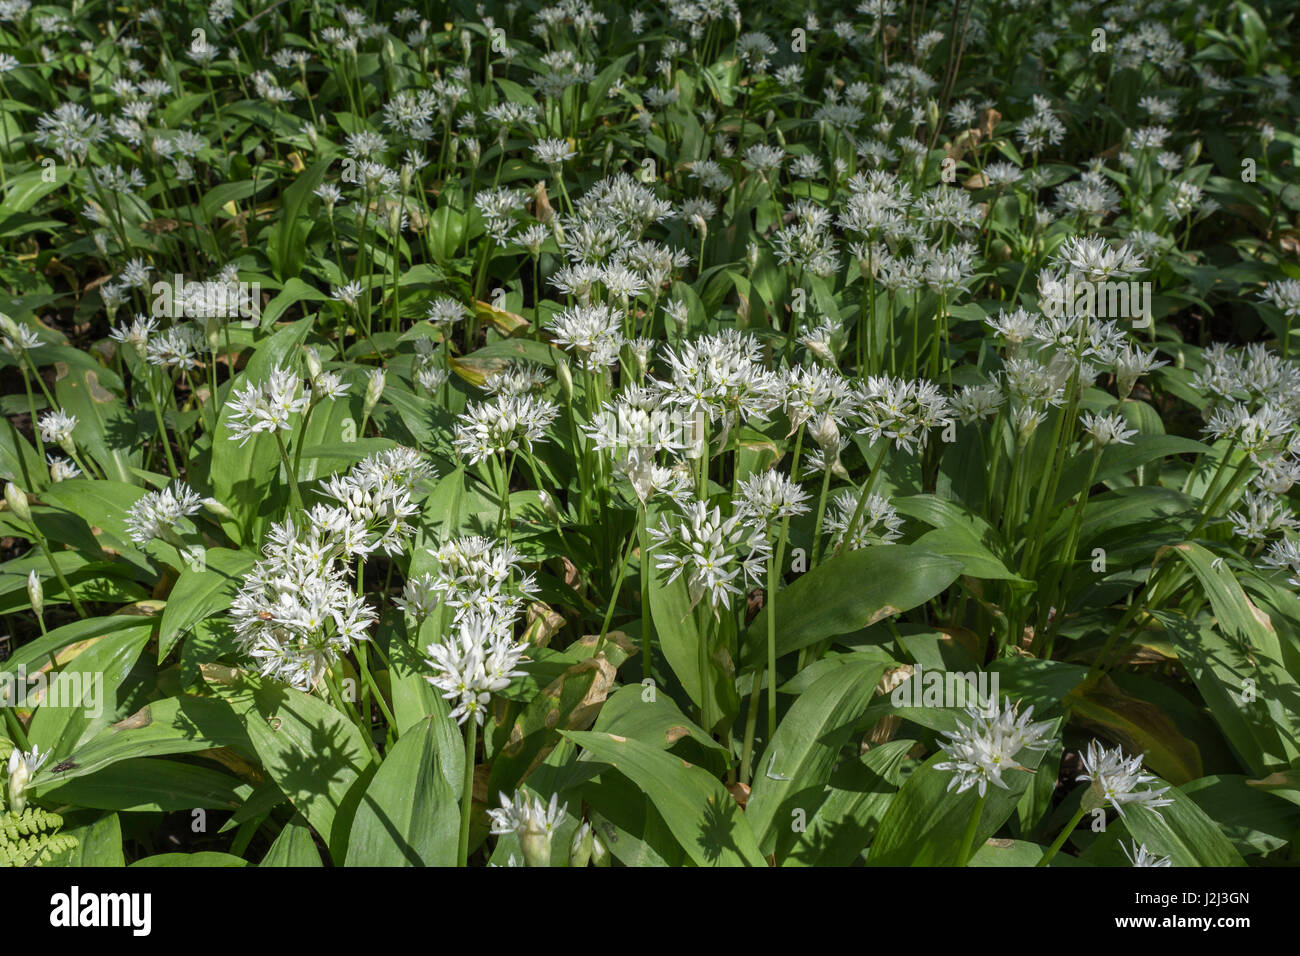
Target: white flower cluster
point(981, 751)
point(716, 554)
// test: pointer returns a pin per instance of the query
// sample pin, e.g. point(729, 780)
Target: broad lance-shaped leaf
point(409, 815)
point(926, 821)
point(700, 814)
point(294, 846)
point(652, 718)
point(858, 794)
point(147, 784)
point(173, 725)
point(847, 593)
point(97, 675)
point(791, 776)
point(1246, 659)
point(312, 752)
point(200, 591)
point(1181, 831)
point(709, 683)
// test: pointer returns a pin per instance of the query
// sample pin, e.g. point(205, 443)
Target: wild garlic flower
point(1041, 127)
point(376, 493)
point(976, 402)
point(717, 555)
point(503, 424)
point(1131, 363)
point(518, 378)
point(266, 406)
point(553, 152)
point(477, 659)
point(721, 376)
point(56, 426)
point(1141, 856)
point(297, 612)
point(1263, 516)
point(1094, 259)
point(593, 333)
point(17, 338)
point(767, 498)
point(61, 469)
point(155, 514)
point(901, 411)
point(807, 240)
point(1107, 429)
point(178, 347)
point(533, 821)
point(445, 309)
point(1015, 327)
point(1262, 431)
point(816, 393)
point(22, 767)
point(1115, 779)
point(990, 744)
point(878, 523)
point(1285, 294)
point(472, 575)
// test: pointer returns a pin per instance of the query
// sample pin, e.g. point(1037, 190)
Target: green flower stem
point(1065, 576)
point(467, 791)
point(295, 499)
point(647, 621)
point(58, 574)
point(347, 710)
point(852, 529)
point(16, 729)
point(613, 595)
point(751, 724)
point(772, 583)
point(1063, 836)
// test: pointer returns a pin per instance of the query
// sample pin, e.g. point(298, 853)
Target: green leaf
point(144, 784)
point(790, 779)
point(287, 240)
point(294, 846)
point(98, 673)
point(312, 752)
point(174, 725)
point(204, 858)
point(847, 593)
point(700, 814)
point(1181, 832)
point(859, 793)
point(410, 814)
point(200, 593)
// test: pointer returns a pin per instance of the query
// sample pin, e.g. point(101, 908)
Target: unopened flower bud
point(599, 852)
point(580, 849)
point(374, 389)
point(312, 358)
point(218, 509)
point(16, 499)
point(35, 593)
